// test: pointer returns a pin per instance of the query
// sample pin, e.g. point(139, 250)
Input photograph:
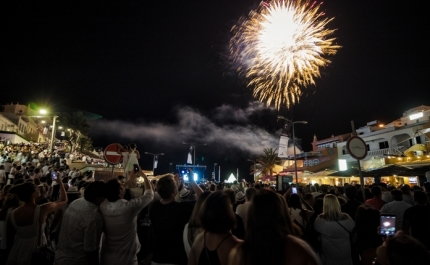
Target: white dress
point(26, 240)
point(132, 159)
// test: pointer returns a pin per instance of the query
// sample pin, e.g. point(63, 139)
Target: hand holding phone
point(388, 225)
point(136, 168)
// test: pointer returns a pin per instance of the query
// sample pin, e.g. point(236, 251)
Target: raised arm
point(121, 148)
point(197, 190)
point(53, 206)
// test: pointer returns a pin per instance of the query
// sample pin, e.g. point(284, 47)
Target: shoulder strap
point(222, 241)
point(12, 217)
point(344, 227)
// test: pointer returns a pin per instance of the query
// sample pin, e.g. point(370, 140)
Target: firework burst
point(280, 47)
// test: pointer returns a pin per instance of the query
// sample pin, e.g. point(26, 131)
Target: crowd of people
point(52, 211)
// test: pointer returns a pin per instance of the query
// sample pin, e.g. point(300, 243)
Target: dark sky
point(157, 71)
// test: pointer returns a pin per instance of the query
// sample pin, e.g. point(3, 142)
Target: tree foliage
point(268, 160)
point(76, 125)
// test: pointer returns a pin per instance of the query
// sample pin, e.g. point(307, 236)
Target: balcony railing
point(380, 152)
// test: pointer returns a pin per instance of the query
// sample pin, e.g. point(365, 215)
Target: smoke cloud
point(226, 127)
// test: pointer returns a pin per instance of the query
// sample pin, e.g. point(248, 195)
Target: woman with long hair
point(335, 228)
point(193, 227)
point(212, 246)
point(25, 225)
point(271, 236)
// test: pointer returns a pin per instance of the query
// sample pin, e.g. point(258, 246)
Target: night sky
point(158, 72)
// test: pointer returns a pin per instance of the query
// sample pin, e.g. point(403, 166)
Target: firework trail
point(280, 47)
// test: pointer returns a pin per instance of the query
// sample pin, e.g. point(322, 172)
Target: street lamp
point(294, 137)
point(194, 150)
point(250, 160)
point(214, 173)
point(43, 113)
point(153, 162)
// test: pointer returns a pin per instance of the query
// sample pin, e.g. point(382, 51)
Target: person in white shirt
point(81, 229)
point(120, 243)
point(45, 169)
point(397, 207)
point(242, 209)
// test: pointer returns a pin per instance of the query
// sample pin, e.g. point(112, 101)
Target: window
point(383, 145)
point(418, 139)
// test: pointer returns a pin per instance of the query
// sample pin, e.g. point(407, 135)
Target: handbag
point(44, 254)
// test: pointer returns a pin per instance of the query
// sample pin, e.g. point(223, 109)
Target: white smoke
point(227, 127)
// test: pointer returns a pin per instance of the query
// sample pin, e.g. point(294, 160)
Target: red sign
point(111, 154)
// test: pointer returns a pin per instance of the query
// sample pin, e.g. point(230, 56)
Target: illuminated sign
point(415, 116)
point(342, 165)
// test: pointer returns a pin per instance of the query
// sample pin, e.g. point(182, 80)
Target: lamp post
point(153, 161)
point(294, 137)
point(214, 173)
point(250, 160)
point(43, 113)
point(194, 150)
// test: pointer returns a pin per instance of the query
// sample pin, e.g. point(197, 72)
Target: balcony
point(379, 153)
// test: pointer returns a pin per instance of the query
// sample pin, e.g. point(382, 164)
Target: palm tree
point(268, 161)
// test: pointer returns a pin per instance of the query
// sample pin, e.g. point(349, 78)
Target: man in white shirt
point(120, 243)
point(45, 169)
point(242, 209)
point(397, 207)
point(81, 229)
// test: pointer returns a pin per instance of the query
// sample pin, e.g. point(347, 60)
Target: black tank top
point(210, 257)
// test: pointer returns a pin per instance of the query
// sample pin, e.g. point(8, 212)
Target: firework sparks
point(280, 47)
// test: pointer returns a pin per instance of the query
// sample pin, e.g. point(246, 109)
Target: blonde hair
point(331, 208)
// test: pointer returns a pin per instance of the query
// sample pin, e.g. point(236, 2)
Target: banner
point(190, 158)
point(283, 147)
point(155, 161)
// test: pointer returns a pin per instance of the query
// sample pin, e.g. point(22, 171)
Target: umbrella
point(419, 170)
point(323, 173)
point(392, 169)
point(346, 173)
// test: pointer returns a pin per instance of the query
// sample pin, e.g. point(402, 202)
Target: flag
point(283, 147)
point(190, 159)
point(155, 161)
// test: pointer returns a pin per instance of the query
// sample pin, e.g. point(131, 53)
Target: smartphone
point(136, 168)
point(387, 225)
point(294, 189)
point(54, 175)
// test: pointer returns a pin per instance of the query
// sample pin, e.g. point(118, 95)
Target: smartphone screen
point(294, 190)
point(388, 225)
point(136, 168)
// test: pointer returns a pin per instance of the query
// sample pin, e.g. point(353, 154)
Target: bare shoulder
point(235, 257)
point(299, 252)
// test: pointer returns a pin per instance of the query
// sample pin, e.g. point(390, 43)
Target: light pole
point(294, 137)
point(194, 150)
point(250, 160)
point(214, 173)
point(153, 161)
point(43, 113)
